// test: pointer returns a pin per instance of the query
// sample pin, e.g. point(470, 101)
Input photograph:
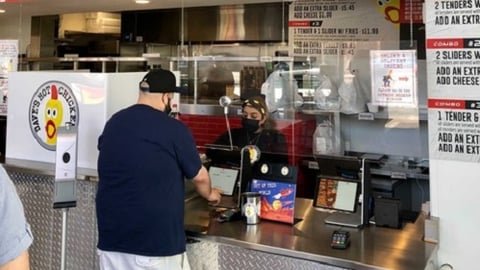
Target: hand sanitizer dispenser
point(65, 167)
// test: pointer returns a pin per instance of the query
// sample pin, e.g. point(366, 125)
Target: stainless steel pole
point(64, 238)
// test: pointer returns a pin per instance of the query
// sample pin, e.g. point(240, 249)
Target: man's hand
point(215, 196)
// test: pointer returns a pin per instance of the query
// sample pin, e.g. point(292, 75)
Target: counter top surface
point(309, 238)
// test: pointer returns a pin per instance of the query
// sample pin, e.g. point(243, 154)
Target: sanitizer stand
point(65, 178)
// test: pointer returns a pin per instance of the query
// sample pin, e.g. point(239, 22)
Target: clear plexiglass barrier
point(349, 98)
point(356, 97)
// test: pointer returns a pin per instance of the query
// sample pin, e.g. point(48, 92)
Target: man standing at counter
point(144, 157)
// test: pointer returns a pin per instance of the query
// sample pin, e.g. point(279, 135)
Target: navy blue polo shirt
point(144, 156)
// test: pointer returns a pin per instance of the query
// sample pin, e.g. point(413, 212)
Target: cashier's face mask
point(251, 125)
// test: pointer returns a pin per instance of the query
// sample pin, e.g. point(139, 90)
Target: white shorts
point(123, 261)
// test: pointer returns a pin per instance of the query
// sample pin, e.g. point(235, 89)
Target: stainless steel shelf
point(400, 173)
point(393, 172)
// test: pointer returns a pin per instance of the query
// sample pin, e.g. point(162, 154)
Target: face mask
point(251, 125)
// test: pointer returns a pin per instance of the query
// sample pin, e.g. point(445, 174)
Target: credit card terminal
point(229, 215)
point(340, 239)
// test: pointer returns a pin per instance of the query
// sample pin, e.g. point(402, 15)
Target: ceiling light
point(2, 10)
point(142, 1)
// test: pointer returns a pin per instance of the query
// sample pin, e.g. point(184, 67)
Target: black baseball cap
point(160, 81)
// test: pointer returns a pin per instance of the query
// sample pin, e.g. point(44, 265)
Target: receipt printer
point(65, 167)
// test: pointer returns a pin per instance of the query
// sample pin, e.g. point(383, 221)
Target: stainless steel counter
point(371, 247)
point(305, 241)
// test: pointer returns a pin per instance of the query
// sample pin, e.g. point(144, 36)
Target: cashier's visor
point(256, 103)
point(160, 81)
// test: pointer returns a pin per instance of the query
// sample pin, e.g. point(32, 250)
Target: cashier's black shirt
point(272, 145)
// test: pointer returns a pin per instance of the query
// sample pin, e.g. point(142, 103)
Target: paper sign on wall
point(8, 63)
point(394, 77)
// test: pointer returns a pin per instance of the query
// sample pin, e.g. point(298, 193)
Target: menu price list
point(454, 62)
point(452, 18)
point(456, 125)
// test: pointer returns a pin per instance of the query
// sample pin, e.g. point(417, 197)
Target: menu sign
point(314, 24)
point(456, 125)
point(456, 64)
point(453, 18)
point(453, 69)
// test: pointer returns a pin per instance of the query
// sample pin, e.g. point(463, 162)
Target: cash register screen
point(336, 193)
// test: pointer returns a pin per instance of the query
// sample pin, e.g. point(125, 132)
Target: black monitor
point(228, 158)
point(341, 166)
point(336, 193)
point(223, 155)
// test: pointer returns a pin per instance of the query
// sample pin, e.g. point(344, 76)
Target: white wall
point(98, 96)
point(455, 197)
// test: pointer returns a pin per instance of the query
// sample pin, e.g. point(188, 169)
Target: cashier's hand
point(214, 196)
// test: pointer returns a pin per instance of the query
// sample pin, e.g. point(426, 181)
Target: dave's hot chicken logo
point(52, 106)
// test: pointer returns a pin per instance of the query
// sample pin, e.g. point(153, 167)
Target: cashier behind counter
point(257, 129)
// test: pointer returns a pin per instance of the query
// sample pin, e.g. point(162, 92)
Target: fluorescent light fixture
point(2, 10)
point(142, 1)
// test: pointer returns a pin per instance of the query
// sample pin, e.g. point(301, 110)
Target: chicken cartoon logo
point(53, 116)
point(390, 9)
point(52, 105)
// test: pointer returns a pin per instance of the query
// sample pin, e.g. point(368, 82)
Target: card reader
point(229, 215)
point(340, 239)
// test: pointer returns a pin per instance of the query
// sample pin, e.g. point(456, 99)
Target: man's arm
point(15, 236)
point(20, 263)
point(204, 188)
